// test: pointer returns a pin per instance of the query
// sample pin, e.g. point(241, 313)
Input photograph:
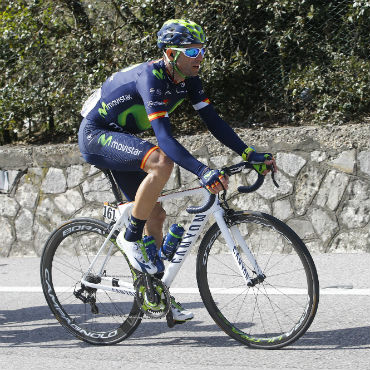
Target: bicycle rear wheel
point(276, 311)
point(93, 315)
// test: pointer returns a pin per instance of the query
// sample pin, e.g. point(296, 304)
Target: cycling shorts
point(123, 153)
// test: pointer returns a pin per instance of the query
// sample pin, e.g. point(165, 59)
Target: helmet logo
point(180, 32)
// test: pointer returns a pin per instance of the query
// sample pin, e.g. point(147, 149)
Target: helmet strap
point(174, 65)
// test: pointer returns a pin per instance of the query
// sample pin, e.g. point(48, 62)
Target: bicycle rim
point(276, 311)
point(93, 315)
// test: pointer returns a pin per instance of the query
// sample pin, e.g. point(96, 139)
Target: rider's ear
point(169, 53)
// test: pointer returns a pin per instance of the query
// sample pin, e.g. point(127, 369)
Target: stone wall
point(324, 177)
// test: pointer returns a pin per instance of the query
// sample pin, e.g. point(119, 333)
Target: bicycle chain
point(148, 313)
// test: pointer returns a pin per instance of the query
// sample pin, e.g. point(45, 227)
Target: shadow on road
point(37, 326)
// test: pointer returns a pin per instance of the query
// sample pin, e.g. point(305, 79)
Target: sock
point(134, 230)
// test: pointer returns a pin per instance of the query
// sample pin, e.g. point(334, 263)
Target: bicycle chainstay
point(152, 296)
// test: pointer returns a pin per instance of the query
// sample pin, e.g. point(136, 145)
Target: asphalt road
point(31, 338)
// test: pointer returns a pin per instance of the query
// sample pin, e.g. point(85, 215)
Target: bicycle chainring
point(163, 298)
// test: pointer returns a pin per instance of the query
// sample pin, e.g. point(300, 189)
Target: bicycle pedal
point(170, 321)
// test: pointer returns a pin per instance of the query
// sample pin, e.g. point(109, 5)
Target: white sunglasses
point(191, 52)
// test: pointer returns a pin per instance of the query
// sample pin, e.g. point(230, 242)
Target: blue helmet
point(177, 32)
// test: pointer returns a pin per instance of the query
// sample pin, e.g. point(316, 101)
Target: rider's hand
point(212, 180)
point(260, 161)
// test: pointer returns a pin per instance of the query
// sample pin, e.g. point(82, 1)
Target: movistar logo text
point(118, 146)
point(106, 106)
point(103, 141)
point(159, 74)
point(103, 110)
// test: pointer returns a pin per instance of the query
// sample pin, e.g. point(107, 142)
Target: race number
point(110, 212)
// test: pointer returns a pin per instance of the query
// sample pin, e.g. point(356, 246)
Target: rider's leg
point(99, 147)
point(159, 168)
point(154, 224)
point(129, 182)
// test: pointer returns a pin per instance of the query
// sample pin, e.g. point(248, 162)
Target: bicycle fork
point(233, 239)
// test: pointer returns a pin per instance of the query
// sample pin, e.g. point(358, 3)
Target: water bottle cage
point(167, 256)
point(171, 242)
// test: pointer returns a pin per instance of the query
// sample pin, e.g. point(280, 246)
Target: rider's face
point(189, 66)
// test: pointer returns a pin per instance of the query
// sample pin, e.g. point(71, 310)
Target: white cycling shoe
point(180, 315)
point(136, 254)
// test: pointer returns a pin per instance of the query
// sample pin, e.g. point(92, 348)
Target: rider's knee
point(166, 164)
point(161, 163)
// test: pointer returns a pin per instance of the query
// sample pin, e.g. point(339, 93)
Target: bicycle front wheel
point(279, 308)
point(95, 316)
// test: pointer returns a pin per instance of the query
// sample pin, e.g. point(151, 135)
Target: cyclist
point(142, 96)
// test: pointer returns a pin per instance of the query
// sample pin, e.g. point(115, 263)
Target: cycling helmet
point(176, 32)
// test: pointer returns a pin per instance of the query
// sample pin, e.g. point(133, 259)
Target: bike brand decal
point(247, 337)
point(123, 291)
point(241, 263)
point(68, 320)
point(194, 227)
point(199, 218)
point(187, 239)
point(73, 229)
point(208, 247)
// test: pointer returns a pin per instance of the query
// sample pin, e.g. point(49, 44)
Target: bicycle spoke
point(95, 315)
point(277, 306)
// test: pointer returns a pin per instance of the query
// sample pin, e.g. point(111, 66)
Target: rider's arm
point(221, 130)
point(173, 148)
point(152, 87)
point(215, 124)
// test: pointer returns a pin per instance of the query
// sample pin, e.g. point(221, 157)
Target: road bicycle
point(255, 276)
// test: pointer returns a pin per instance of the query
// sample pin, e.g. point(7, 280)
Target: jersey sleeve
point(215, 124)
point(151, 86)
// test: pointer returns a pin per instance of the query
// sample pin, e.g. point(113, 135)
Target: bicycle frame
point(231, 235)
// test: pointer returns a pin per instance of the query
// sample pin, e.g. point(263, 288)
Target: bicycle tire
point(66, 256)
point(277, 311)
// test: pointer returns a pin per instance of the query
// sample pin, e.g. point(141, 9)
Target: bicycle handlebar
point(232, 170)
point(205, 207)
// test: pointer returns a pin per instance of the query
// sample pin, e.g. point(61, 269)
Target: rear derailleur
point(87, 294)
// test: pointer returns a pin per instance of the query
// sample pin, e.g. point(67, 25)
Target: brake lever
point(271, 168)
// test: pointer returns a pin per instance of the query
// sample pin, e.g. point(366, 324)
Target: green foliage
point(261, 56)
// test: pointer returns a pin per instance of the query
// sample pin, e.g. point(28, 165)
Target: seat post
point(115, 188)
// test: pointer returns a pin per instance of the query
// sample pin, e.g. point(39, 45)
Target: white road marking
point(231, 291)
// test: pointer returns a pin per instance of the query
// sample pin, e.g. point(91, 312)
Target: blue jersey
point(143, 96)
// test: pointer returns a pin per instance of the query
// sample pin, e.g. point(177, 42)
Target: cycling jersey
point(142, 96)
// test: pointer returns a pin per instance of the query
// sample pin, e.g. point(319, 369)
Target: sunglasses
point(191, 52)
